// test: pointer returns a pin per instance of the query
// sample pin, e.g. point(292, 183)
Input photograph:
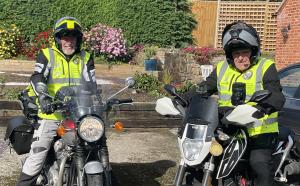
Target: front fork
point(79, 162)
point(180, 174)
point(207, 170)
point(104, 157)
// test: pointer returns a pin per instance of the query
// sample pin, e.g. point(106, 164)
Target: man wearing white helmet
point(64, 64)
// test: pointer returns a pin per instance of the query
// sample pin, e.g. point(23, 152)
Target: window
point(290, 81)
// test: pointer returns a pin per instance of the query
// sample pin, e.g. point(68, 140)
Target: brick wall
point(288, 48)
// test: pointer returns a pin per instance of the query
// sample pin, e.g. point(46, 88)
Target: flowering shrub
point(107, 41)
point(203, 55)
point(8, 38)
point(42, 40)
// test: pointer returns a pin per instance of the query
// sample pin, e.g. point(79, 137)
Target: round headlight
point(91, 129)
point(192, 148)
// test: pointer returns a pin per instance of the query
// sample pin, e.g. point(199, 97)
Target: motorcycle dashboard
point(196, 131)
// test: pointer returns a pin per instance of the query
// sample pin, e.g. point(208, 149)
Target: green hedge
point(161, 22)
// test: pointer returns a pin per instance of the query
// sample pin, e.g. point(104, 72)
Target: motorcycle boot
point(27, 180)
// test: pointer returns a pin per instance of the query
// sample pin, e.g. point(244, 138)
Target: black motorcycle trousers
point(261, 162)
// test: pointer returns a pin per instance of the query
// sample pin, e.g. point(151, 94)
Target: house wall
point(288, 48)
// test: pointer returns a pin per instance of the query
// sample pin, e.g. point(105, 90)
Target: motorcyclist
point(243, 64)
point(63, 64)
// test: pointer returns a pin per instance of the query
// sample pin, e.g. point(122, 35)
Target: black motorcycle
point(78, 155)
point(203, 139)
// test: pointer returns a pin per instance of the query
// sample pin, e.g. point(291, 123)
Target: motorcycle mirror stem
point(172, 91)
point(41, 88)
point(260, 95)
point(129, 83)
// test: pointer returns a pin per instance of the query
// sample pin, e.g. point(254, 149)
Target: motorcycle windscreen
point(203, 111)
point(232, 154)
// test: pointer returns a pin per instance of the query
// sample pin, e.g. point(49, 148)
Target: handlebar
point(58, 105)
point(122, 101)
point(118, 101)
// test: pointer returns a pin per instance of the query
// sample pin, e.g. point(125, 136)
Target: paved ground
point(140, 157)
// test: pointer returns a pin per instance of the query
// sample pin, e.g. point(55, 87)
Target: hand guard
point(262, 111)
point(45, 104)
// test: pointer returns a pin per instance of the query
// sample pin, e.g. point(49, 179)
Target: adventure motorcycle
point(78, 155)
point(202, 141)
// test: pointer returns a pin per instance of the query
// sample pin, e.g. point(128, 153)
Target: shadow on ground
point(143, 174)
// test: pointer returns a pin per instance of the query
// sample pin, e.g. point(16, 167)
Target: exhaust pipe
point(61, 170)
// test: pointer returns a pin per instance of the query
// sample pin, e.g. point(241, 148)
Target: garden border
point(136, 115)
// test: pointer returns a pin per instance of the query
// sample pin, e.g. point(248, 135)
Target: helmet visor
point(68, 33)
point(242, 37)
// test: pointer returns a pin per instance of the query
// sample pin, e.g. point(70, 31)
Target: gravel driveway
point(139, 157)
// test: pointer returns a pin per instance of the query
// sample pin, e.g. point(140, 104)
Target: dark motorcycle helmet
point(68, 26)
point(240, 35)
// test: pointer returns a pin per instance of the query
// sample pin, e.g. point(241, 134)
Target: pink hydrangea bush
point(107, 41)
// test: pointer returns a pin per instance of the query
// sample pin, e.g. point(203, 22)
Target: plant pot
point(150, 64)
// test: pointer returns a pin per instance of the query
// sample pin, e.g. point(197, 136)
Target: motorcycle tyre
point(114, 180)
point(94, 179)
point(190, 180)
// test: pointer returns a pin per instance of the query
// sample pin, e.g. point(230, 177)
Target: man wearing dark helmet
point(243, 65)
point(64, 64)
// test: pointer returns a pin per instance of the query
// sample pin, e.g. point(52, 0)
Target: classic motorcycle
point(78, 155)
point(202, 141)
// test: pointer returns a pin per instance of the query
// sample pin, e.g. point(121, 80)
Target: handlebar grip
point(57, 105)
point(121, 101)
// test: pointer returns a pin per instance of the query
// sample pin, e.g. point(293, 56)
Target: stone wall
point(182, 67)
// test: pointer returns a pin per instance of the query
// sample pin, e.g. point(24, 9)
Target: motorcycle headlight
point(91, 129)
point(192, 148)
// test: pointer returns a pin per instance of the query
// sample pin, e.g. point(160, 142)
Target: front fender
point(93, 167)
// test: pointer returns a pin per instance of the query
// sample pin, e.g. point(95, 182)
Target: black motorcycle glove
point(202, 90)
point(45, 104)
point(262, 110)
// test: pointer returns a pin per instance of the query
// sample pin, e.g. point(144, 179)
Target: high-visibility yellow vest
point(63, 73)
point(253, 78)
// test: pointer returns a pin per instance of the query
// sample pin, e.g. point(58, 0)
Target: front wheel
point(94, 179)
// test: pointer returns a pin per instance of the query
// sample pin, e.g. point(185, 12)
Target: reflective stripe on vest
point(226, 76)
point(63, 73)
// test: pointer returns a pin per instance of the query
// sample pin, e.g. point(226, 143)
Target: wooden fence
point(206, 15)
point(217, 14)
